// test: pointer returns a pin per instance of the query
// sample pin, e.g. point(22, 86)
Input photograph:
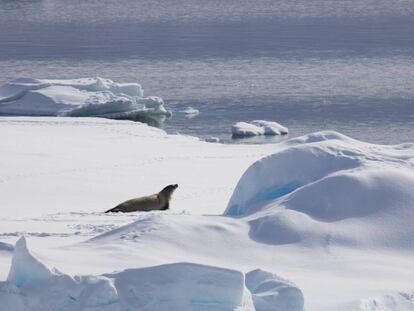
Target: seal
point(154, 202)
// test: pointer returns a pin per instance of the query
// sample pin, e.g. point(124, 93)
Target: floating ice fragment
point(191, 111)
point(258, 127)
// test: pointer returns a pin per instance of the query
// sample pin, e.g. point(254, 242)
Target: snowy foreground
point(319, 222)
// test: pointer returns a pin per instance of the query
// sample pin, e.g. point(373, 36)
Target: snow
point(77, 97)
point(401, 301)
point(257, 128)
point(318, 222)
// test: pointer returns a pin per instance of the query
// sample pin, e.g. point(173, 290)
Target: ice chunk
point(154, 105)
point(257, 128)
point(271, 128)
point(244, 129)
point(272, 293)
point(191, 111)
point(184, 287)
point(25, 267)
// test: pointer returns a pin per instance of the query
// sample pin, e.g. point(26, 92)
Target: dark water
point(309, 65)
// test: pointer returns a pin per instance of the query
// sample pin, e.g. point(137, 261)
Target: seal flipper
point(113, 210)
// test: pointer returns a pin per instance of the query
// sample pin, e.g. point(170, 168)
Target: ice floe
point(78, 98)
point(257, 128)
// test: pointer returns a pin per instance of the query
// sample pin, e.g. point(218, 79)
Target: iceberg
point(84, 97)
point(257, 128)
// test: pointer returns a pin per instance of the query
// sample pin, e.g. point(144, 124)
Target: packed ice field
point(317, 222)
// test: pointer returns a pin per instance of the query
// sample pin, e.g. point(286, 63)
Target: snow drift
point(78, 98)
point(326, 188)
point(257, 128)
point(180, 286)
point(401, 301)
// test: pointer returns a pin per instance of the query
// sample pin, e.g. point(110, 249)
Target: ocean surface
point(308, 64)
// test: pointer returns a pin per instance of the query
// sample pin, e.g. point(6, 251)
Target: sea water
point(309, 64)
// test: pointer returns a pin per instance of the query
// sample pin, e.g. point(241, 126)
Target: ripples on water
point(310, 65)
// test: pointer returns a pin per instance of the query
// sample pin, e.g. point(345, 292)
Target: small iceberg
point(86, 97)
point(257, 128)
point(190, 112)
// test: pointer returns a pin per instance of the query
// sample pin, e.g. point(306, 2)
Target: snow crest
point(77, 98)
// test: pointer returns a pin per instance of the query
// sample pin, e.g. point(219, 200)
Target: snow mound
point(257, 128)
point(326, 188)
point(77, 97)
point(178, 286)
point(270, 292)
